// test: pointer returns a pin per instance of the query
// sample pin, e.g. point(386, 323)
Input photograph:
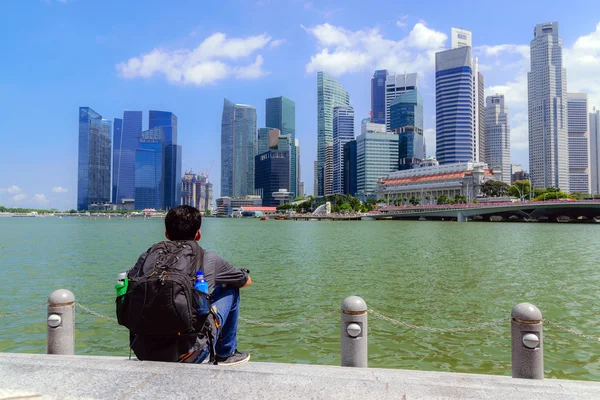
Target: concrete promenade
point(83, 377)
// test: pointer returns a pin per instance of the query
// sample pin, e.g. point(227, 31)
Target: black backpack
point(160, 305)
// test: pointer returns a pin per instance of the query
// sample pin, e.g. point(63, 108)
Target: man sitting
point(153, 268)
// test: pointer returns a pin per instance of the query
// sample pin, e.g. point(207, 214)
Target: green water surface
point(438, 274)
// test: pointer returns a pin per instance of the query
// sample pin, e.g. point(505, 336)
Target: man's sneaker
point(234, 359)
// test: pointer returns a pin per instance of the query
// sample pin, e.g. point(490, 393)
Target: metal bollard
point(354, 330)
point(527, 342)
point(61, 323)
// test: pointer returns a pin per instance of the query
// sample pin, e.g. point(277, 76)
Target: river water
point(438, 274)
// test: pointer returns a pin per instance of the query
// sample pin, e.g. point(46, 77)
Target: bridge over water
point(579, 211)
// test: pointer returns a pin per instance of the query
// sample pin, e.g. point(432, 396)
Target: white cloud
point(342, 51)
point(14, 189)
point(401, 23)
point(211, 61)
point(40, 199)
point(276, 43)
point(17, 198)
point(59, 189)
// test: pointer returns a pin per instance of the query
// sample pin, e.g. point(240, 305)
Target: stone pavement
point(32, 376)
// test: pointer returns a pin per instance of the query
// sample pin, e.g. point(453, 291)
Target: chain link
point(572, 332)
point(29, 310)
point(439, 330)
point(284, 324)
point(94, 313)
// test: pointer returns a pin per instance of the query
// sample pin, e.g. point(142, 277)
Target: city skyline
point(113, 84)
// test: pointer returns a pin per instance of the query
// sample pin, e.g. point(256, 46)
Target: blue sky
point(186, 56)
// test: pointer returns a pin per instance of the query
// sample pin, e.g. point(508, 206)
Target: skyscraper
point(343, 132)
point(238, 149)
point(497, 140)
point(406, 120)
point(124, 155)
point(350, 165)
point(149, 181)
point(300, 192)
point(595, 150)
point(378, 108)
point(117, 130)
point(329, 94)
point(93, 171)
point(172, 156)
point(376, 157)
point(396, 84)
point(480, 113)
point(454, 109)
point(280, 113)
point(579, 143)
point(547, 98)
point(273, 171)
point(328, 170)
point(267, 138)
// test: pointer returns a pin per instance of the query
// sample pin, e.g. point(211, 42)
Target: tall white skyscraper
point(396, 84)
point(595, 151)
point(343, 132)
point(579, 143)
point(547, 93)
point(497, 136)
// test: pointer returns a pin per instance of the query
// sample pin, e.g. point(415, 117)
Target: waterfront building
point(497, 141)
point(460, 133)
point(93, 166)
point(547, 110)
point(172, 156)
point(429, 183)
point(196, 190)
point(429, 162)
point(280, 113)
point(595, 151)
point(350, 168)
point(406, 120)
point(226, 206)
point(579, 143)
point(378, 107)
point(149, 170)
point(301, 192)
point(396, 84)
point(273, 171)
point(130, 130)
point(328, 169)
point(116, 142)
point(366, 126)
point(376, 157)
point(238, 149)
point(343, 132)
point(330, 93)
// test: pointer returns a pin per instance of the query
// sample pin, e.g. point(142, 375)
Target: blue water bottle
point(202, 287)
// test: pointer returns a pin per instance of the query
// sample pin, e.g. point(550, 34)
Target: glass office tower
point(93, 174)
point(149, 170)
point(124, 159)
point(172, 156)
point(280, 113)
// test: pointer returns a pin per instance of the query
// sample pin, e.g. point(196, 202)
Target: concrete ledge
point(60, 377)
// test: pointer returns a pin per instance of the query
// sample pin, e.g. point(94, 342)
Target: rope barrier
point(327, 314)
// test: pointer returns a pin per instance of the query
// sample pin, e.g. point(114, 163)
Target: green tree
point(345, 207)
point(414, 201)
point(355, 204)
point(443, 199)
point(520, 188)
point(493, 188)
point(460, 199)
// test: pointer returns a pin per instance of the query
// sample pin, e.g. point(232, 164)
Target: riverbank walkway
point(31, 376)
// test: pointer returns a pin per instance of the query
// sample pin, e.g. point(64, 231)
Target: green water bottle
point(121, 285)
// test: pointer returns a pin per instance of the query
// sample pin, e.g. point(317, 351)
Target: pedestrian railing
point(526, 330)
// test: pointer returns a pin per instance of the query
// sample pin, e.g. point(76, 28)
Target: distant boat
point(562, 218)
point(495, 218)
point(264, 218)
point(280, 217)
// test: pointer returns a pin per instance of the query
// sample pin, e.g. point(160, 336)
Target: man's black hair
point(183, 222)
